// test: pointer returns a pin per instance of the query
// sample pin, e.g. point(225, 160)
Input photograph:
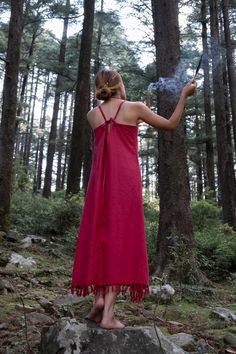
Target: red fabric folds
point(111, 250)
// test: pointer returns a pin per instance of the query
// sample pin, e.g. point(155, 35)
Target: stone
point(233, 329)
point(183, 340)
point(230, 339)
point(27, 308)
point(5, 286)
point(223, 314)
point(3, 234)
point(68, 300)
point(38, 239)
point(37, 318)
point(164, 292)
point(2, 237)
point(13, 236)
point(47, 305)
point(26, 242)
point(30, 239)
point(69, 336)
point(4, 325)
point(202, 347)
point(17, 259)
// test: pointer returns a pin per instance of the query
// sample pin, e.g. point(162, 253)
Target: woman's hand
point(189, 89)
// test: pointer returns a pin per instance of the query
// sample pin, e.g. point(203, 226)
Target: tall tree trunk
point(175, 241)
point(30, 135)
point(22, 179)
point(7, 130)
point(228, 117)
point(207, 107)
point(53, 131)
point(81, 101)
point(88, 151)
point(198, 159)
point(97, 61)
point(88, 143)
point(24, 85)
point(230, 65)
point(61, 144)
point(147, 162)
point(225, 163)
point(68, 143)
point(41, 138)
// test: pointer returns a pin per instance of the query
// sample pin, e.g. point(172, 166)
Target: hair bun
point(104, 93)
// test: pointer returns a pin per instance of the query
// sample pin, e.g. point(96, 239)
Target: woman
point(111, 252)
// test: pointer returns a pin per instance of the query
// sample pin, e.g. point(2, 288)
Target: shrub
point(54, 215)
point(205, 214)
point(151, 212)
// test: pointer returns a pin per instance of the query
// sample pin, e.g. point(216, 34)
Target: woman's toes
point(112, 324)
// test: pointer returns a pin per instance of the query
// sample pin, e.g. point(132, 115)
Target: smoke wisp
point(172, 85)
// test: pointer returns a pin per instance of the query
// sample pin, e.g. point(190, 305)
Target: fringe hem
point(136, 291)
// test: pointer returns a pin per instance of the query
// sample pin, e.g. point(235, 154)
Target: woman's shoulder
point(92, 112)
point(134, 103)
point(134, 106)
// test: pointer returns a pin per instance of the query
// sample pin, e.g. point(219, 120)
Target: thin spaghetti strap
point(103, 114)
point(118, 110)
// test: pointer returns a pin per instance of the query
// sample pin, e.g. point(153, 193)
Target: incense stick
point(198, 67)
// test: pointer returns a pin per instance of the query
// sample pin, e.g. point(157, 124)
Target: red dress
point(111, 245)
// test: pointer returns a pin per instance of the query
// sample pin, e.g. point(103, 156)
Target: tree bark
point(53, 131)
point(198, 158)
point(81, 101)
point(207, 107)
point(24, 85)
point(175, 241)
point(230, 65)
point(61, 144)
point(68, 143)
point(38, 181)
point(225, 163)
point(9, 106)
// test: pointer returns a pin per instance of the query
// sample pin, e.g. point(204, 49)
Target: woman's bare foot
point(111, 324)
point(97, 310)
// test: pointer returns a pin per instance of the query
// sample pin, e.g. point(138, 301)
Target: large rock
point(18, 260)
point(5, 286)
point(68, 336)
point(37, 318)
point(224, 314)
point(163, 292)
point(30, 239)
point(230, 339)
point(183, 340)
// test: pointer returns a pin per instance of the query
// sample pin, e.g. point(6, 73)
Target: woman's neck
point(116, 97)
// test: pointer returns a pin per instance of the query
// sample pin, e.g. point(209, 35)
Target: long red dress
point(111, 244)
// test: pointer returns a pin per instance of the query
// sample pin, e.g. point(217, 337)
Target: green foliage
point(215, 241)
point(205, 214)
point(217, 251)
point(151, 213)
point(55, 215)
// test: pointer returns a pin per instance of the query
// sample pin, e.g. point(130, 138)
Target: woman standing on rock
point(111, 252)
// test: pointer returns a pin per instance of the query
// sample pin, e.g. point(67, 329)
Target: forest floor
point(35, 296)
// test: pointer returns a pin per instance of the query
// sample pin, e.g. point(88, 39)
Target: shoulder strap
point(118, 110)
point(103, 114)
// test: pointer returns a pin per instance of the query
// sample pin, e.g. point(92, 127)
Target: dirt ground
point(36, 296)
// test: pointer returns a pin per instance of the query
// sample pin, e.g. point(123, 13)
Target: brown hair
point(107, 82)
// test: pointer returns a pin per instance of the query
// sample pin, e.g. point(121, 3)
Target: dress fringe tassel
point(136, 291)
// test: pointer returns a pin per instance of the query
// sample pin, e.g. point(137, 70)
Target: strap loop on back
point(118, 110)
point(103, 114)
